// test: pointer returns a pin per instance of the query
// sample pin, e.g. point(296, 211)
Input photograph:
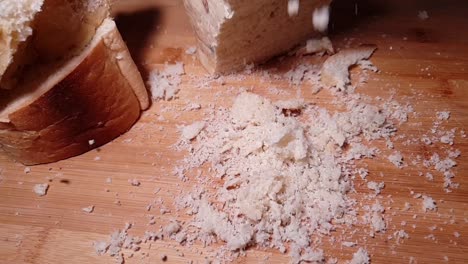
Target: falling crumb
point(41, 189)
point(293, 7)
point(27, 170)
point(88, 209)
point(423, 15)
point(91, 142)
point(320, 18)
point(456, 234)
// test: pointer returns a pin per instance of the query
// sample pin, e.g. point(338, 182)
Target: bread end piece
point(92, 99)
point(232, 33)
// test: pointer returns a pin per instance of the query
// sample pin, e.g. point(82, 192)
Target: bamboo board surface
point(423, 62)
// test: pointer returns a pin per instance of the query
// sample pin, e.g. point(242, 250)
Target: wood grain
point(424, 63)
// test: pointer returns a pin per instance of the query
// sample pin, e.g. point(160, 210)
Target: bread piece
point(51, 30)
point(16, 17)
point(335, 70)
point(234, 33)
point(93, 97)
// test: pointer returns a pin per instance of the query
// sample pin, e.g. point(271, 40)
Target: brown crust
point(115, 43)
point(94, 102)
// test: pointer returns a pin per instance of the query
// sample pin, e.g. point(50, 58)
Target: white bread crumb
point(348, 244)
point(428, 203)
point(335, 70)
point(377, 187)
point(293, 7)
point(41, 189)
point(100, 247)
point(191, 50)
point(191, 131)
point(443, 115)
point(134, 182)
point(396, 159)
point(164, 84)
point(88, 209)
point(321, 18)
point(171, 229)
point(319, 45)
point(423, 15)
point(360, 257)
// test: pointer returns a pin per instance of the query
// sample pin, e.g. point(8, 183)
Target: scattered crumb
point(190, 132)
point(396, 159)
point(165, 84)
point(134, 182)
point(100, 247)
point(41, 189)
point(360, 257)
point(444, 115)
point(428, 203)
point(191, 50)
point(348, 244)
point(377, 187)
point(88, 209)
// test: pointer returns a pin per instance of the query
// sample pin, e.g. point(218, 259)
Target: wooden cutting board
point(422, 62)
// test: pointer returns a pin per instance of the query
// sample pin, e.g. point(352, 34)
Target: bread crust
point(98, 100)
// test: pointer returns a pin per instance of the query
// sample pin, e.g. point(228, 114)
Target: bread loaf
point(234, 33)
point(68, 99)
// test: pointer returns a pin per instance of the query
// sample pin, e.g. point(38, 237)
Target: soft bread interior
point(45, 78)
point(61, 30)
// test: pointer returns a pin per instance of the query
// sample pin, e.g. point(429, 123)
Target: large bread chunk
point(35, 33)
point(83, 103)
point(234, 33)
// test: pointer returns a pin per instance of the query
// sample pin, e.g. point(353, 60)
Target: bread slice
point(234, 33)
point(39, 32)
point(86, 102)
point(16, 17)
